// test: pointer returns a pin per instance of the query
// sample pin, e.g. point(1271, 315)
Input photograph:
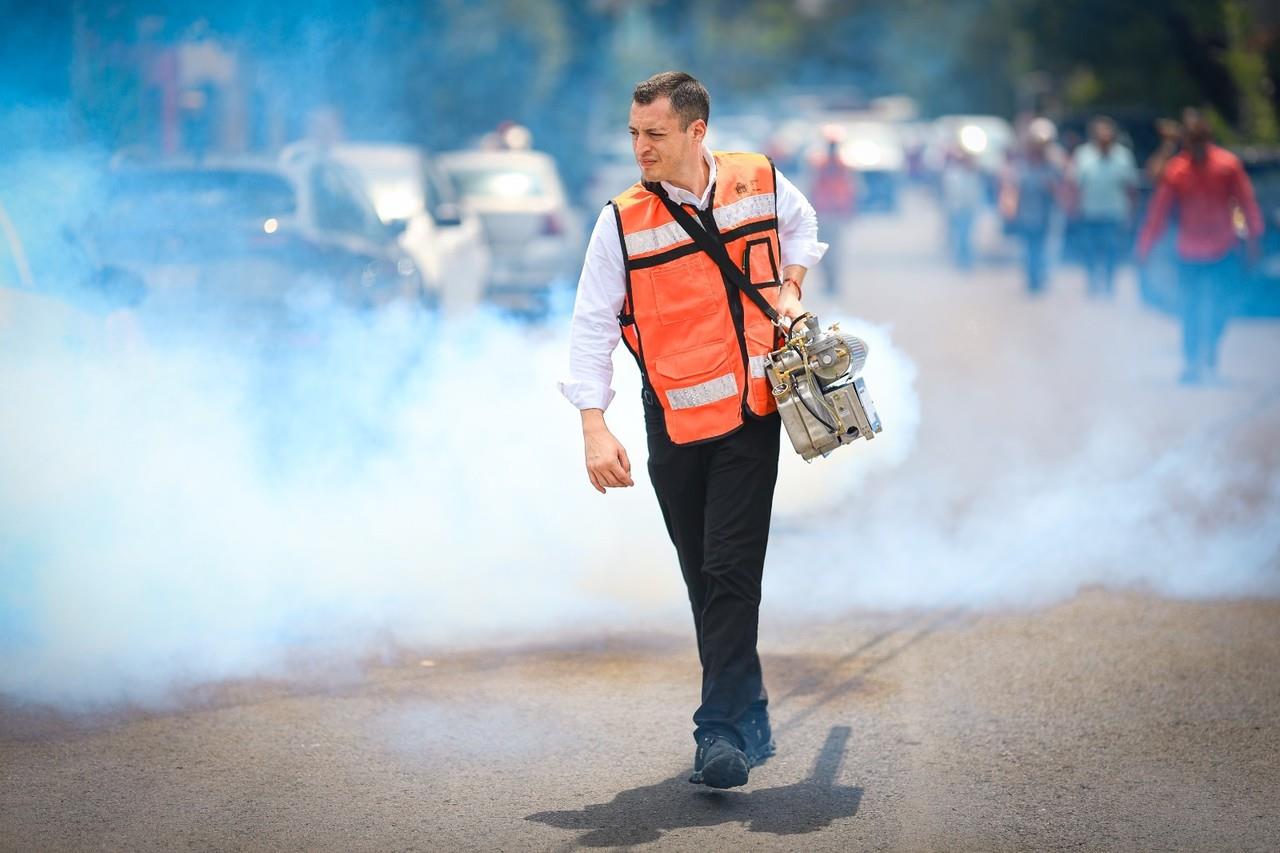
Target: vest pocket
point(697, 377)
point(686, 288)
point(759, 265)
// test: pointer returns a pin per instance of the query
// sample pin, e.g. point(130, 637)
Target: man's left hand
point(789, 306)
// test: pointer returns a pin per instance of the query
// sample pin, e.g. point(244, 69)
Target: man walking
point(962, 196)
point(1209, 185)
point(1029, 199)
point(1106, 182)
point(672, 267)
point(834, 193)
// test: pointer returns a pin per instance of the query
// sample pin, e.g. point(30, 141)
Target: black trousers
point(716, 499)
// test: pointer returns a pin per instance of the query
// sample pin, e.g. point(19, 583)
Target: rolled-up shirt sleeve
point(594, 330)
point(797, 226)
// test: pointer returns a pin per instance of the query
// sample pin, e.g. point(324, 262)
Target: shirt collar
point(681, 196)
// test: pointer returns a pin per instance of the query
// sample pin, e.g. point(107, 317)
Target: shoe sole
point(725, 771)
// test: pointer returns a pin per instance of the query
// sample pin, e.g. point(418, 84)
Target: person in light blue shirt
point(1106, 183)
point(1029, 199)
point(963, 194)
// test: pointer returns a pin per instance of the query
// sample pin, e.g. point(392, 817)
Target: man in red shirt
point(1208, 184)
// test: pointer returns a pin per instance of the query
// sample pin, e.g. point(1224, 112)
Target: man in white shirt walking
point(1106, 181)
point(693, 268)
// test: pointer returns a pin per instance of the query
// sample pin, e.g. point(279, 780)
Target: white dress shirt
point(594, 331)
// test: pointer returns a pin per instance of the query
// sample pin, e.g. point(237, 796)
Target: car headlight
point(863, 153)
point(973, 139)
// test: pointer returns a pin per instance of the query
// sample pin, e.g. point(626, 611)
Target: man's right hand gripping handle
point(607, 464)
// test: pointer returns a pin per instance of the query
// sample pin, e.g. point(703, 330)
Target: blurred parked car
point(249, 233)
point(1263, 167)
point(535, 236)
point(57, 265)
point(444, 238)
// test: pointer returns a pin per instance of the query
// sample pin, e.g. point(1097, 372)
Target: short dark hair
point(1099, 122)
point(689, 98)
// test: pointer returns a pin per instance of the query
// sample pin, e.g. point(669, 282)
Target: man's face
point(1197, 137)
point(663, 151)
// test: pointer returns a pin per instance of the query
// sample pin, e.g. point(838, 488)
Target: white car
point(445, 240)
point(535, 236)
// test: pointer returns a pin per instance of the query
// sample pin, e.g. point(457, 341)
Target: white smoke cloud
point(173, 515)
point(1049, 465)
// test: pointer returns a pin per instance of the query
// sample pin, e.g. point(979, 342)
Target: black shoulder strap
point(707, 237)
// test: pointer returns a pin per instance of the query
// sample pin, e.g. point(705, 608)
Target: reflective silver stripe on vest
point(706, 392)
point(728, 217)
point(654, 239)
point(752, 207)
point(757, 365)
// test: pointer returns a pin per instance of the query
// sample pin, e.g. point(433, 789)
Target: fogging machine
point(822, 400)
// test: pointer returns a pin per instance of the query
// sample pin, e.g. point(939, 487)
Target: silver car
point(446, 241)
point(250, 232)
point(535, 236)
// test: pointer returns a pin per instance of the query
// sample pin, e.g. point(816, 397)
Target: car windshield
point(396, 193)
point(881, 134)
point(499, 182)
point(172, 197)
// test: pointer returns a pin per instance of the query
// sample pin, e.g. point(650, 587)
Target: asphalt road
point(1110, 722)
point(1104, 718)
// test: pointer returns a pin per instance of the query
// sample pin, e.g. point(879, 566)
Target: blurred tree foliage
point(1003, 56)
point(1162, 56)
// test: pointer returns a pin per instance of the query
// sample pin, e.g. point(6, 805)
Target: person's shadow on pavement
point(643, 814)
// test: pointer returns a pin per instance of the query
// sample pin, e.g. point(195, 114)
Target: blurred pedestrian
point(1211, 190)
point(1029, 196)
point(1105, 178)
point(690, 267)
point(833, 192)
point(1170, 133)
point(963, 192)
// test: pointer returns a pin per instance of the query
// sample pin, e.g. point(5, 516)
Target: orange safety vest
point(700, 342)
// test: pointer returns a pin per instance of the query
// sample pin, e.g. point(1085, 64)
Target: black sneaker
point(719, 764)
point(758, 735)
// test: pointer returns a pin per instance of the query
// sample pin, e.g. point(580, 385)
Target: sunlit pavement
point(1105, 718)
